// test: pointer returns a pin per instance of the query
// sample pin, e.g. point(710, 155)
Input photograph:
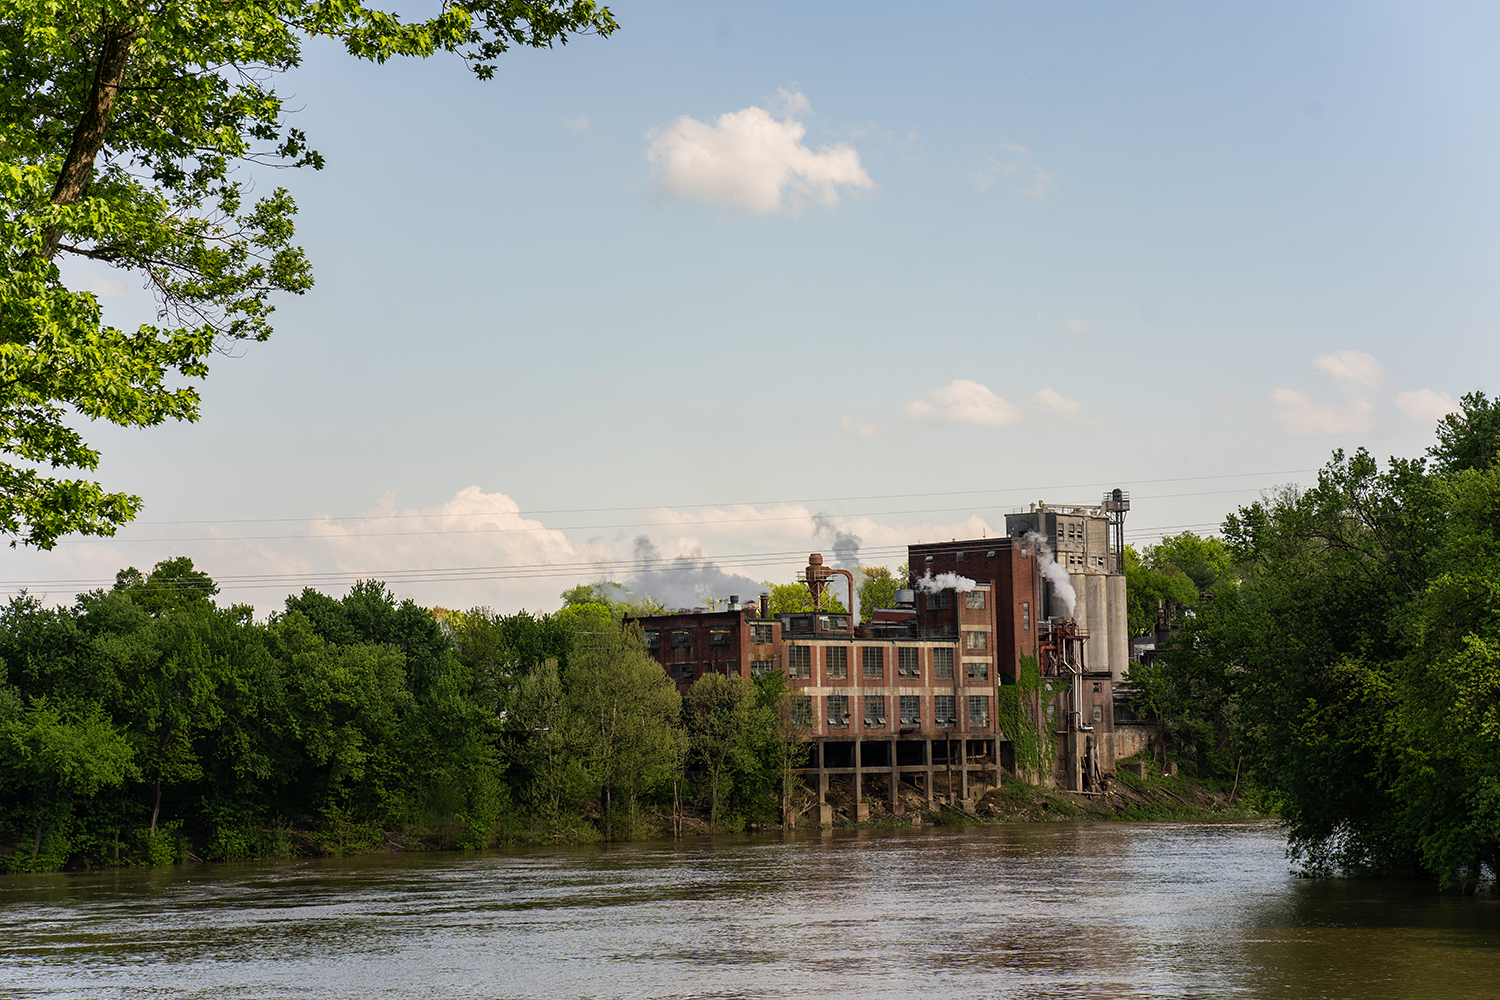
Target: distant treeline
point(145, 724)
point(1346, 661)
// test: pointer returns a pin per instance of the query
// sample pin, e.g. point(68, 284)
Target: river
point(1059, 910)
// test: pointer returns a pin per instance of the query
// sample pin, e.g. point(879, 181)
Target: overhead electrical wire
point(610, 567)
point(736, 503)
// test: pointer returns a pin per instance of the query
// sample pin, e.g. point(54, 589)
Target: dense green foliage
point(1172, 575)
point(146, 724)
point(1356, 666)
point(123, 125)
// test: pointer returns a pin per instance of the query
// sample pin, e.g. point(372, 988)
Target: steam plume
point(1061, 585)
point(845, 551)
point(930, 584)
point(684, 581)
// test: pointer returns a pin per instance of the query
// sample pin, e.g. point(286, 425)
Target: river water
point(1062, 910)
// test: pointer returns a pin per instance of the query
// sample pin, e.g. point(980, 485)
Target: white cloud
point(1355, 375)
point(1079, 326)
point(1300, 414)
point(1426, 405)
point(1049, 398)
point(966, 402)
point(753, 161)
point(103, 285)
point(1351, 368)
point(852, 426)
point(478, 550)
point(1026, 177)
point(579, 124)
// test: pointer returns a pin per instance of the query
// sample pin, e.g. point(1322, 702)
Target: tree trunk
point(88, 134)
point(36, 844)
point(156, 804)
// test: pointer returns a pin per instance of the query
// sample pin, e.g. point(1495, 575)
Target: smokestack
point(765, 605)
point(734, 602)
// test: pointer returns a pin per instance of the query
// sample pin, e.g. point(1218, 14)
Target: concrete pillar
point(861, 810)
point(895, 778)
point(927, 760)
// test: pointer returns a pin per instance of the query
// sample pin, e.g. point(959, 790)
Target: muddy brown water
point(1087, 910)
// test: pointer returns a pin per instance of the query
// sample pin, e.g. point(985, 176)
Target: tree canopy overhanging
point(124, 125)
point(1350, 659)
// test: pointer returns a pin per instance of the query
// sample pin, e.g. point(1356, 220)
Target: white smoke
point(1061, 585)
point(944, 581)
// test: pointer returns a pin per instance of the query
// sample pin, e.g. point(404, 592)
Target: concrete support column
point(861, 811)
point(895, 778)
point(927, 760)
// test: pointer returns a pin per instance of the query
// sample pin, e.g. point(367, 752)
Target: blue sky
point(739, 265)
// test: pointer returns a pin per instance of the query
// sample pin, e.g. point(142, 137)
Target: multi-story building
point(914, 695)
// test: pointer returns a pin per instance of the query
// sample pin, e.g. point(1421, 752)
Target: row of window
point(872, 662)
point(944, 710)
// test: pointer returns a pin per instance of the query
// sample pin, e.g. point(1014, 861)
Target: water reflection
point(1109, 910)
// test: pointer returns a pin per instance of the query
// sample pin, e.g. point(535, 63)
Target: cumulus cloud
point(1054, 401)
point(966, 402)
point(105, 286)
point(1018, 169)
point(1079, 326)
point(753, 160)
point(1355, 375)
point(1302, 415)
point(477, 549)
point(1351, 368)
point(1426, 405)
point(861, 430)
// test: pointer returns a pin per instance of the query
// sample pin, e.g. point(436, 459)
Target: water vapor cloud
point(754, 161)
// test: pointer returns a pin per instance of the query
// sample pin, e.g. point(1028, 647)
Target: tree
point(1470, 438)
point(122, 127)
point(788, 598)
point(878, 589)
point(173, 585)
point(625, 709)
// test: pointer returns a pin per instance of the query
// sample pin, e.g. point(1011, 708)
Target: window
point(874, 710)
point(990, 554)
point(974, 599)
point(801, 710)
point(799, 661)
point(761, 634)
point(833, 623)
point(684, 673)
point(1098, 687)
point(907, 663)
point(1098, 713)
point(682, 638)
point(761, 667)
point(1026, 615)
point(718, 637)
point(874, 663)
point(976, 640)
point(653, 640)
point(911, 710)
point(977, 670)
point(1030, 712)
point(959, 557)
point(1052, 713)
point(837, 662)
point(942, 664)
point(943, 712)
point(838, 711)
point(938, 601)
point(731, 668)
point(979, 710)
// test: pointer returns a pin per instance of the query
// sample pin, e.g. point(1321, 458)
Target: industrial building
point(914, 694)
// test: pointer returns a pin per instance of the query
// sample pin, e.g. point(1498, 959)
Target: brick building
point(913, 695)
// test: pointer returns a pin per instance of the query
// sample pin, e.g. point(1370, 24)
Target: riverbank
point(1154, 797)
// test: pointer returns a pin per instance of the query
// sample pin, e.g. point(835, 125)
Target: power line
point(738, 503)
point(704, 522)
